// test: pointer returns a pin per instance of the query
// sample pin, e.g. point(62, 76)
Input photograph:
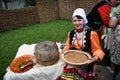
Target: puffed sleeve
point(96, 46)
point(67, 45)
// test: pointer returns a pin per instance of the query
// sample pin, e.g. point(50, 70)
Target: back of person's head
point(112, 2)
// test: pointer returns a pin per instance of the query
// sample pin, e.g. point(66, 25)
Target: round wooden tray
point(76, 57)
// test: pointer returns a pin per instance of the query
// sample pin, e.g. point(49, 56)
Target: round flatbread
point(23, 63)
point(76, 57)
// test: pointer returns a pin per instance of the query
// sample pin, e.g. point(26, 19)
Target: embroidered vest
point(86, 40)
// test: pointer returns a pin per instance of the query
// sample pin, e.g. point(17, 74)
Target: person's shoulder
point(73, 31)
point(102, 3)
point(93, 33)
point(87, 28)
point(90, 30)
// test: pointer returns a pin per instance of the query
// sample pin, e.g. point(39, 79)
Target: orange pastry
point(23, 63)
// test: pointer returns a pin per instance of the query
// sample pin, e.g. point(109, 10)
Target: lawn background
point(10, 41)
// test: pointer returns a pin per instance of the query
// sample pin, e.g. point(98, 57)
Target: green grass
point(11, 40)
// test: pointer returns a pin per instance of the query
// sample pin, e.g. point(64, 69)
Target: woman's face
point(78, 23)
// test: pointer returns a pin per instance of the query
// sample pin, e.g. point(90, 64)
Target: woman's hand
point(93, 59)
point(113, 22)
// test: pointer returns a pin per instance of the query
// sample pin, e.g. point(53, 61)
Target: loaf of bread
point(46, 53)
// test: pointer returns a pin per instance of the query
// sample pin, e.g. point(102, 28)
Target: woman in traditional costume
point(82, 38)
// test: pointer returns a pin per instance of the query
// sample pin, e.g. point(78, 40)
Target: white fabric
point(80, 12)
point(38, 72)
